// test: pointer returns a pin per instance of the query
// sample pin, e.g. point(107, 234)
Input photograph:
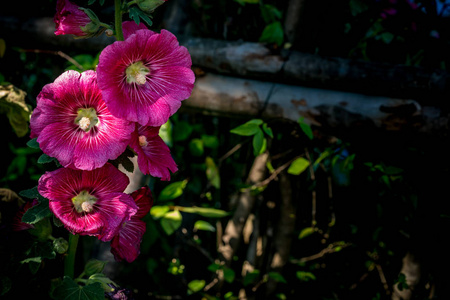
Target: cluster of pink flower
point(86, 119)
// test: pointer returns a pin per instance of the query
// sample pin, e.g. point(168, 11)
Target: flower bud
point(78, 21)
point(60, 245)
point(149, 6)
point(94, 266)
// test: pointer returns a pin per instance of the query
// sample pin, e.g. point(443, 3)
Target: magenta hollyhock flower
point(89, 202)
point(72, 19)
point(130, 27)
point(126, 244)
point(73, 124)
point(144, 78)
point(153, 155)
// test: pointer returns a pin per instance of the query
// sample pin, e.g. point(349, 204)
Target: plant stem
point(118, 19)
point(69, 261)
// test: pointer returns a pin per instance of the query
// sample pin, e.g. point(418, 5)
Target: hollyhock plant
point(89, 202)
point(126, 244)
point(130, 27)
point(72, 123)
point(144, 78)
point(75, 20)
point(153, 155)
point(17, 224)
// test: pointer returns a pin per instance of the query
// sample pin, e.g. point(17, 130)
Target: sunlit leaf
point(212, 172)
point(305, 276)
point(248, 129)
point(206, 211)
point(12, 103)
point(306, 128)
point(276, 277)
point(171, 221)
point(203, 225)
point(196, 147)
point(298, 166)
point(306, 232)
point(158, 211)
point(267, 130)
point(196, 285)
point(259, 143)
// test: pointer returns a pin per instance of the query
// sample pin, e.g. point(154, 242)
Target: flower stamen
point(137, 73)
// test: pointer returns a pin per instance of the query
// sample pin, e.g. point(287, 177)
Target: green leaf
point(306, 128)
point(136, 14)
point(12, 103)
point(30, 193)
point(305, 276)
point(33, 143)
point(270, 13)
point(196, 147)
point(276, 277)
point(203, 225)
point(158, 211)
point(212, 172)
point(165, 132)
point(44, 159)
point(172, 191)
point(70, 290)
point(259, 143)
point(5, 284)
point(196, 285)
point(171, 221)
point(248, 129)
point(228, 274)
point(267, 130)
point(357, 7)
point(210, 141)
point(251, 277)
point(298, 166)
point(181, 131)
point(94, 266)
point(272, 33)
point(37, 212)
point(206, 211)
point(306, 232)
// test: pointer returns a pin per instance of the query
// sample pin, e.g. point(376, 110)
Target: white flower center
point(142, 141)
point(86, 118)
point(84, 202)
point(137, 73)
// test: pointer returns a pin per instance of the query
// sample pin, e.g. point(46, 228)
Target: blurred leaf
point(171, 221)
point(94, 266)
point(298, 166)
point(158, 211)
point(273, 33)
point(267, 130)
point(306, 128)
point(305, 276)
point(259, 143)
point(165, 132)
point(249, 128)
point(203, 225)
point(12, 103)
point(196, 147)
point(276, 277)
point(181, 131)
point(270, 13)
point(210, 141)
point(30, 193)
point(306, 232)
point(70, 290)
point(45, 159)
point(357, 7)
point(228, 275)
point(205, 211)
point(33, 144)
point(196, 285)
point(212, 172)
point(5, 284)
point(251, 277)
point(172, 191)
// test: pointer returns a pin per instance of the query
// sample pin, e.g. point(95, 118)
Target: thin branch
point(58, 53)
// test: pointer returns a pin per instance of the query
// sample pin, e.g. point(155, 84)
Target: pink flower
point(72, 19)
point(73, 124)
point(144, 78)
point(89, 202)
point(130, 27)
point(153, 155)
point(126, 244)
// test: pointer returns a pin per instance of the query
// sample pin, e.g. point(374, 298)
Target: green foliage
point(298, 166)
point(137, 15)
point(253, 128)
point(70, 290)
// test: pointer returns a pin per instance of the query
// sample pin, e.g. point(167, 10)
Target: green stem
point(69, 261)
point(118, 19)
